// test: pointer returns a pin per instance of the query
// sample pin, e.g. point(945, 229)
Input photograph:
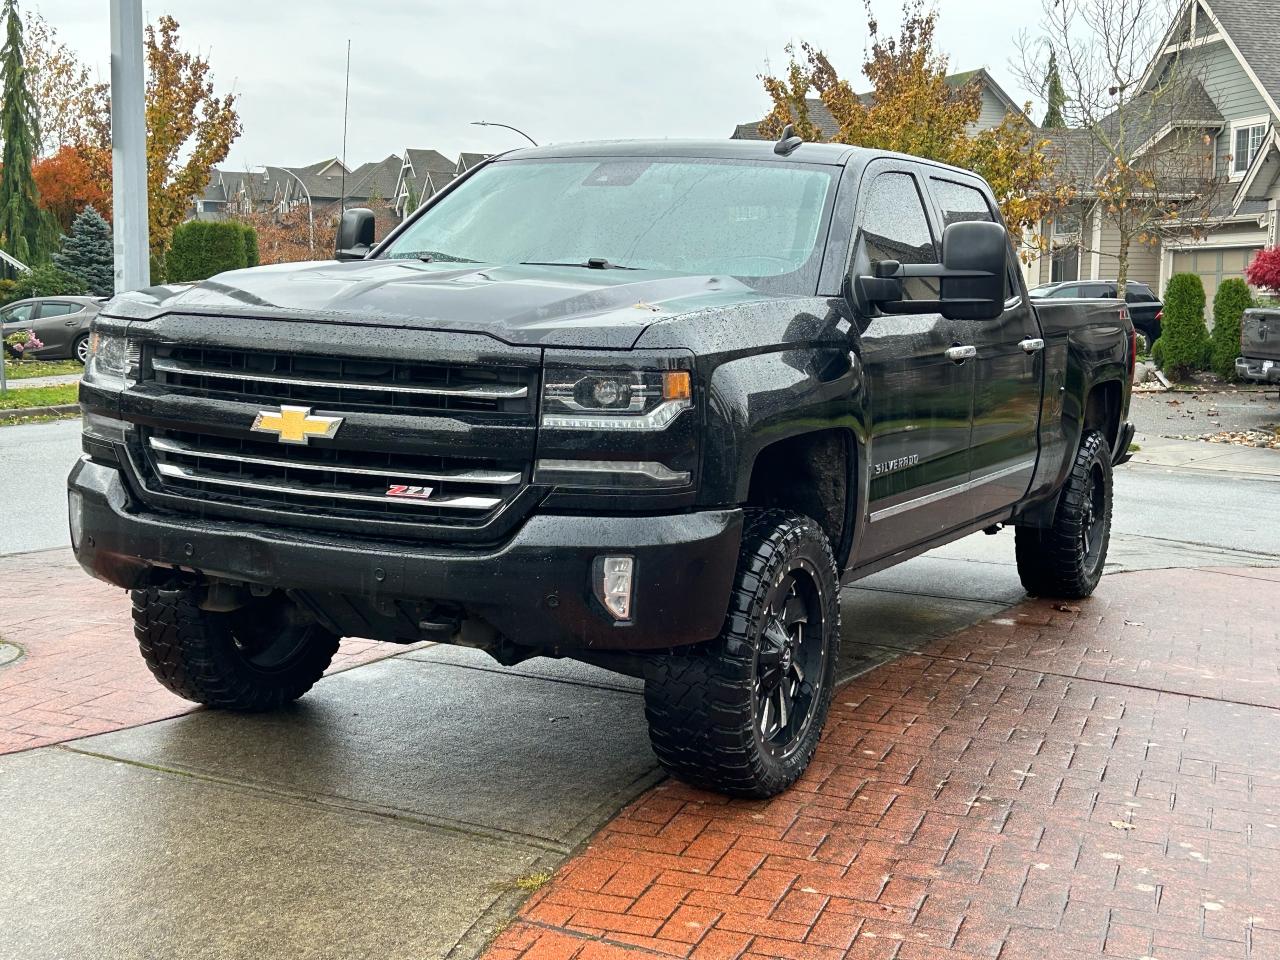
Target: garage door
point(1213, 266)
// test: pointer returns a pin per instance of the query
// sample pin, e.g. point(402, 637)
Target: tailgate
point(1260, 334)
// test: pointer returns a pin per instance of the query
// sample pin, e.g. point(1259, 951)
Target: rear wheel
point(81, 349)
point(743, 713)
point(259, 657)
point(1066, 560)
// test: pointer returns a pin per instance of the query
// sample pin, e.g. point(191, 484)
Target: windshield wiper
point(592, 263)
point(436, 256)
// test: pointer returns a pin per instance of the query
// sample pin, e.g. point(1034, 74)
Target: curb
point(54, 411)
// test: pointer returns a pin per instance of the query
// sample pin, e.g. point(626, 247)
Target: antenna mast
point(346, 102)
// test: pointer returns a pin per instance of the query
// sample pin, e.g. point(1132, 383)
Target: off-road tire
point(701, 701)
point(193, 653)
point(1054, 562)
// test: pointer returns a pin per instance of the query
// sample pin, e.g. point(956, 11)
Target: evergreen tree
point(1057, 97)
point(22, 226)
point(87, 253)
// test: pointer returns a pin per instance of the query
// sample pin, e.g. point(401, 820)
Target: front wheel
point(742, 714)
point(1066, 560)
point(259, 657)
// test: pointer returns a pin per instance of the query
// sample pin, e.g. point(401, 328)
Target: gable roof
point(1243, 26)
point(1250, 29)
point(826, 123)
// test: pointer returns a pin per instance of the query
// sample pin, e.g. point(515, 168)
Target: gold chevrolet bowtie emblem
point(295, 424)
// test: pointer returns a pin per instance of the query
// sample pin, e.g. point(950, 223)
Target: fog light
point(613, 576)
point(75, 517)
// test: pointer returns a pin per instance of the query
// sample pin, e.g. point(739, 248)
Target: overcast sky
point(559, 69)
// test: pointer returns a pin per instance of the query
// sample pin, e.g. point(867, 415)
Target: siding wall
point(993, 111)
point(1228, 85)
point(1144, 259)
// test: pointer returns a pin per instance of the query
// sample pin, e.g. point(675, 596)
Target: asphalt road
point(1231, 512)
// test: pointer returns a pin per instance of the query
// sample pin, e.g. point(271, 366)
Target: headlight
point(575, 399)
point(113, 361)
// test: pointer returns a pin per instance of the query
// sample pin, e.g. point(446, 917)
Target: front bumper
point(534, 589)
point(1268, 371)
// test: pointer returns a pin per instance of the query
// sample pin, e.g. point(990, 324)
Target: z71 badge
point(888, 466)
point(411, 493)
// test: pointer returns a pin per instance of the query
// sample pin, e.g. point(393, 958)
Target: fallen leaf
point(1121, 825)
point(1066, 607)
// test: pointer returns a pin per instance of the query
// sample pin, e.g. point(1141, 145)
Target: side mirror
point(355, 234)
point(975, 254)
point(972, 275)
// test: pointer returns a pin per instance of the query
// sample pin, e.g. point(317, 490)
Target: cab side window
point(895, 227)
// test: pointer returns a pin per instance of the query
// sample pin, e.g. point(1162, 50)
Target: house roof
point(1135, 127)
point(826, 123)
point(424, 160)
point(468, 160)
point(1251, 26)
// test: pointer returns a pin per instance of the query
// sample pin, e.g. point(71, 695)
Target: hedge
point(203, 248)
point(1184, 338)
point(1229, 304)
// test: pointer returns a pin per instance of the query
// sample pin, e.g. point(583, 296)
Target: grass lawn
point(39, 397)
point(41, 368)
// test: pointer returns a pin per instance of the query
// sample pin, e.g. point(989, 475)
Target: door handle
point(961, 354)
point(1031, 345)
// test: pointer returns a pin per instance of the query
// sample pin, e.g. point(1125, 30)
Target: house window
point(1246, 138)
point(1066, 223)
point(1065, 264)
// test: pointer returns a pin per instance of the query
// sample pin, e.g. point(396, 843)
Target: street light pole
point(505, 126)
point(311, 223)
point(128, 148)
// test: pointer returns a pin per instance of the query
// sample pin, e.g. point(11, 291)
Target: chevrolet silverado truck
point(645, 405)
point(1259, 345)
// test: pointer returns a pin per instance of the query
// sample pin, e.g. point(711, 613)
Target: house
point(1228, 55)
point(427, 172)
point(995, 106)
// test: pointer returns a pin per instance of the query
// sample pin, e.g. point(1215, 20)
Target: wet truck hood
point(527, 305)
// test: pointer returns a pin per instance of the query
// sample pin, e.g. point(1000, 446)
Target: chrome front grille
point(349, 383)
point(329, 482)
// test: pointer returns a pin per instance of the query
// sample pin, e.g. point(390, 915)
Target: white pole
point(129, 148)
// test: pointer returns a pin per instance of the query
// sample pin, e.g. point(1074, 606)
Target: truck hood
point(527, 305)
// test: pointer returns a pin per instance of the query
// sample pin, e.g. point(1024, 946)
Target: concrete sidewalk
point(29, 383)
point(1213, 457)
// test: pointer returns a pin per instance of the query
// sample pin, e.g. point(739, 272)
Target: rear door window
point(58, 309)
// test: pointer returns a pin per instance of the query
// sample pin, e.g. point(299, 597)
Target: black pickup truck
point(645, 405)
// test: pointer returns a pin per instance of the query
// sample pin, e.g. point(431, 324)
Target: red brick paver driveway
point(1100, 780)
point(81, 672)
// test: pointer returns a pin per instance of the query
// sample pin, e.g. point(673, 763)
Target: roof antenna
point(788, 142)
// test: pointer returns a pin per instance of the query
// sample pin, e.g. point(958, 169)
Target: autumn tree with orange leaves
point(913, 110)
point(67, 185)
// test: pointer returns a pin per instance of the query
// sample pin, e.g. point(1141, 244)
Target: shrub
point(203, 248)
point(44, 281)
point(1229, 304)
point(1157, 353)
point(17, 344)
point(1184, 338)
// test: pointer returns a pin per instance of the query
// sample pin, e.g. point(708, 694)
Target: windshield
point(757, 221)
